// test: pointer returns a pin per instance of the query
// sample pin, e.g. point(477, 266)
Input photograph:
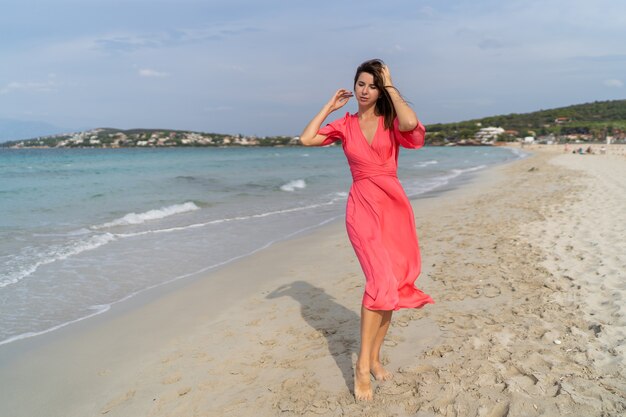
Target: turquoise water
point(83, 229)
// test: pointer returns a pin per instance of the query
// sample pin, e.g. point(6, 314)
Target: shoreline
point(288, 341)
point(617, 149)
point(147, 294)
point(31, 350)
point(160, 289)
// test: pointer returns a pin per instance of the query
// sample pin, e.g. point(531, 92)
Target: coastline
point(100, 241)
point(277, 331)
point(27, 342)
point(617, 149)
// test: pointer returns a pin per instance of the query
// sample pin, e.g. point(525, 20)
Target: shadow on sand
point(339, 325)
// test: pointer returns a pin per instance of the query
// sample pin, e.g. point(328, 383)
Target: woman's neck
point(367, 112)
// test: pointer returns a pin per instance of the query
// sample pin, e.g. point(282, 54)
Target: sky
point(267, 67)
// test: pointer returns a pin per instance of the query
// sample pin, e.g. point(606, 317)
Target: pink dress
point(379, 217)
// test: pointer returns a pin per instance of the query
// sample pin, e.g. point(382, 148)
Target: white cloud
point(614, 83)
point(126, 42)
point(147, 72)
point(49, 86)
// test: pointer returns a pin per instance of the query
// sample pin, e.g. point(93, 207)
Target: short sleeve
point(412, 139)
point(334, 131)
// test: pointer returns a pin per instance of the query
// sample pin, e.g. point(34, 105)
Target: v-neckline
point(375, 132)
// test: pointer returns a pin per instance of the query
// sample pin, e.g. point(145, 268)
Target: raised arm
point(309, 136)
point(407, 119)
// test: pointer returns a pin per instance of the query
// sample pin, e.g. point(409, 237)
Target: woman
point(379, 217)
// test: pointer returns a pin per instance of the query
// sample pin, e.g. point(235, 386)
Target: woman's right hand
point(309, 136)
point(339, 99)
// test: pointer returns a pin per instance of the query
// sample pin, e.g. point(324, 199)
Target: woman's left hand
point(386, 76)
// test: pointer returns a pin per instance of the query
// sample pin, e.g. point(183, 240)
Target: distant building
point(488, 134)
point(547, 139)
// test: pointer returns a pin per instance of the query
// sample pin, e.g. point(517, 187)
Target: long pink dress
point(379, 217)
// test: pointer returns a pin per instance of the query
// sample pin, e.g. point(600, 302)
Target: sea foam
point(293, 185)
point(139, 218)
point(55, 254)
point(426, 163)
point(74, 247)
point(424, 186)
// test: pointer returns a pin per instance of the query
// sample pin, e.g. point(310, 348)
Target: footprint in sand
point(491, 291)
point(202, 357)
point(268, 342)
point(399, 387)
point(498, 410)
point(172, 358)
point(440, 351)
point(118, 401)
point(172, 379)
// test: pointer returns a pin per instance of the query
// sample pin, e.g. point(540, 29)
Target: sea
point(84, 229)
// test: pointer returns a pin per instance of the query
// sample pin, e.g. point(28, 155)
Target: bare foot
point(362, 385)
point(380, 373)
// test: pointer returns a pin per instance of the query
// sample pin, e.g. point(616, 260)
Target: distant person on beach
point(379, 217)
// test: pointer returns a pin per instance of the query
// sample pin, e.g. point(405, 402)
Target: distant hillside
point(586, 122)
point(117, 138)
point(590, 121)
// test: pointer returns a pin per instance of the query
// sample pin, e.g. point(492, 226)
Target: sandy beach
point(526, 266)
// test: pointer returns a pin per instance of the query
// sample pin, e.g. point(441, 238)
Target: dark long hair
point(384, 105)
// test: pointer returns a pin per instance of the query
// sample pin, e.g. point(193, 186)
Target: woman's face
point(365, 90)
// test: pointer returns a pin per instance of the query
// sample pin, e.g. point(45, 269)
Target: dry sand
point(526, 266)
